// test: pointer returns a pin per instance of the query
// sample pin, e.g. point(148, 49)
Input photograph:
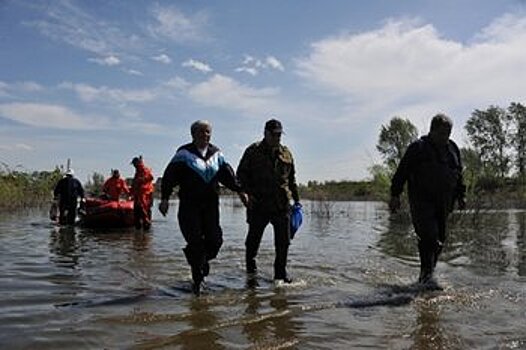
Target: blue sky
point(102, 81)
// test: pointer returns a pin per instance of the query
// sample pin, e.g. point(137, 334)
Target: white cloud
point(251, 71)
point(90, 93)
point(274, 63)
point(3, 88)
point(222, 91)
point(17, 146)
point(30, 86)
point(106, 61)
point(403, 67)
point(197, 65)
point(23, 86)
point(163, 58)
point(252, 65)
point(49, 116)
point(177, 83)
point(504, 29)
point(171, 23)
point(133, 72)
point(63, 21)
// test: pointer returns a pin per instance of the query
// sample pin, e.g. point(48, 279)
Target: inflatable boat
point(96, 212)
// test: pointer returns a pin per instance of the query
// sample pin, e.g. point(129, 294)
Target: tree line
point(494, 160)
point(494, 165)
point(24, 189)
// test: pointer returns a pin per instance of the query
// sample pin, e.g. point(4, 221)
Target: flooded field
point(354, 271)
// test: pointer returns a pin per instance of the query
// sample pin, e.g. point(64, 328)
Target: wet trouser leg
point(281, 224)
point(142, 210)
point(257, 221)
point(62, 216)
point(137, 214)
point(213, 234)
point(199, 224)
point(67, 213)
point(148, 203)
point(429, 221)
point(72, 214)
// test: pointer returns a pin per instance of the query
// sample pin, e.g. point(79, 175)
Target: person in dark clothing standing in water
point(267, 174)
point(66, 193)
point(432, 168)
point(198, 168)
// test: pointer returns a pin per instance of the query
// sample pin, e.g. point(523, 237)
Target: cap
point(70, 172)
point(273, 125)
point(135, 160)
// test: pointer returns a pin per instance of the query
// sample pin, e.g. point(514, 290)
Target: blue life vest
point(296, 218)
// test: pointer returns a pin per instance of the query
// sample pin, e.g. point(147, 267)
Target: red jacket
point(114, 187)
point(143, 181)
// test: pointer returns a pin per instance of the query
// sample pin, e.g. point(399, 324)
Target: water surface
point(354, 271)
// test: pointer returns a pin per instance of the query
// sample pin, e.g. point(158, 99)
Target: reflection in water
point(284, 326)
point(275, 328)
point(521, 243)
point(202, 320)
point(481, 244)
point(399, 239)
point(64, 245)
point(480, 247)
point(117, 287)
point(141, 242)
point(253, 331)
point(429, 334)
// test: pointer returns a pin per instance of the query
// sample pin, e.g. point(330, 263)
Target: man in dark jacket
point(197, 168)
point(67, 191)
point(267, 174)
point(433, 169)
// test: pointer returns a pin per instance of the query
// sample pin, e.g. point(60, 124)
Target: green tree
point(394, 139)
point(517, 116)
point(488, 132)
point(381, 181)
point(472, 166)
point(94, 186)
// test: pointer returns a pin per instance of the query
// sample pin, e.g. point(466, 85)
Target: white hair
point(197, 125)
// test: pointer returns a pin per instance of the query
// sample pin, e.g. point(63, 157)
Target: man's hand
point(394, 204)
point(244, 198)
point(163, 206)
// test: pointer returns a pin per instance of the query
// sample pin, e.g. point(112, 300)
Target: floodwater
point(354, 271)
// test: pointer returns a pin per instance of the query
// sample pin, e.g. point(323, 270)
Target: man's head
point(201, 131)
point(136, 161)
point(273, 131)
point(441, 126)
point(115, 173)
point(70, 172)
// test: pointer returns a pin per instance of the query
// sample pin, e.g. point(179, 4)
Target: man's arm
point(402, 174)
point(243, 177)
point(243, 170)
point(169, 180)
point(460, 191)
point(293, 186)
point(81, 189)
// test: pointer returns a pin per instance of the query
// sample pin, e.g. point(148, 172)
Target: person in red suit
point(115, 186)
point(142, 191)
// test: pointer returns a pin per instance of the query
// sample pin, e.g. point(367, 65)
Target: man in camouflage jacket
point(266, 173)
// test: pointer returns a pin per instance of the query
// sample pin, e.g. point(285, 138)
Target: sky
point(99, 82)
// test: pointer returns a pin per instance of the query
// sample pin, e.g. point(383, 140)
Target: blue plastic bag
point(296, 218)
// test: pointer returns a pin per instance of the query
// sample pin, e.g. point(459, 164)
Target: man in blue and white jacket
point(198, 168)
